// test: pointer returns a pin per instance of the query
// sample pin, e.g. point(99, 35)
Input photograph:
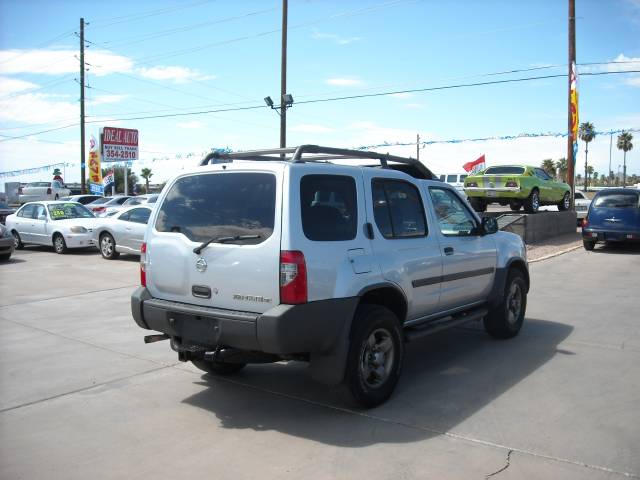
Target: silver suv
point(329, 256)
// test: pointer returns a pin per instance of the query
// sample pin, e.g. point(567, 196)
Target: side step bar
point(444, 323)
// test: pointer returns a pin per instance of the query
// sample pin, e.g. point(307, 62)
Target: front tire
point(218, 368)
point(375, 357)
point(588, 245)
point(108, 247)
point(505, 320)
point(565, 203)
point(17, 241)
point(478, 204)
point(5, 257)
point(532, 202)
point(59, 245)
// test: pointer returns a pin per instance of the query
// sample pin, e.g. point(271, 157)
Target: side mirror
point(489, 225)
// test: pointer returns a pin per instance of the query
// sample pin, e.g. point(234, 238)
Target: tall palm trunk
point(586, 174)
point(624, 170)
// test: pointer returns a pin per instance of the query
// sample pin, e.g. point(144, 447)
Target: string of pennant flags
point(184, 156)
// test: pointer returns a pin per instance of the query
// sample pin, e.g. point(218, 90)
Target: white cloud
point(58, 62)
point(344, 82)
point(174, 73)
point(192, 125)
point(335, 38)
point(630, 63)
point(13, 85)
point(34, 108)
point(105, 99)
point(403, 95)
point(311, 128)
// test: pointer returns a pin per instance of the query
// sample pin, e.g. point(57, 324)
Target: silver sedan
point(122, 233)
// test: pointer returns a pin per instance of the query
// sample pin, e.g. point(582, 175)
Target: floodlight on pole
point(268, 101)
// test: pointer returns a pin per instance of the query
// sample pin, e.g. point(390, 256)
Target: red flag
point(474, 166)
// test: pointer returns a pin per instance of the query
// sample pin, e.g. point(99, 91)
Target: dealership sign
point(119, 144)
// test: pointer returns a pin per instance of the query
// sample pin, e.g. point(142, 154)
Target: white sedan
point(582, 203)
point(32, 192)
point(122, 233)
point(64, 225)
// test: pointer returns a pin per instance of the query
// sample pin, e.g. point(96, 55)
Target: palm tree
point(624, 144)
point(578, 178)
point(595, 178)
point(146, 174)
point(562, 167)
point(589, 176)
point(549, 166)
point(586, 133)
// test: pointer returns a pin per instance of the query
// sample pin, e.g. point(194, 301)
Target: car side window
point(398, 209)
point(125, 216)
point(454, 219)
point(27, 211)
point(328, 205)
point(39, 212)
point(579, 196)
point(542, 174)
point(139, 215)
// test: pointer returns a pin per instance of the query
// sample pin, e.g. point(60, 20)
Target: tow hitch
point(156, 338)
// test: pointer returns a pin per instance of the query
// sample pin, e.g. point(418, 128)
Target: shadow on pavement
point(71, 251)
point(11, 260)
point(619, 248)
point(446, 379)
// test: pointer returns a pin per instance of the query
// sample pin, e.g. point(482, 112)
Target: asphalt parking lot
point(81, 396)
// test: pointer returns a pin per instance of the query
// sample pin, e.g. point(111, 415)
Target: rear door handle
point(448, 250)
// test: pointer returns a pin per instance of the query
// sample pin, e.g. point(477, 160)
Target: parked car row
point(66, 225)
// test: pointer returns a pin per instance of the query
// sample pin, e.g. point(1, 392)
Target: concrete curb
point(556, 254)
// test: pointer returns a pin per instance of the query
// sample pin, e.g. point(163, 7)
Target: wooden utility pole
point(572, 59)
point(82, 154)
point(418, 147)
point(283, 78)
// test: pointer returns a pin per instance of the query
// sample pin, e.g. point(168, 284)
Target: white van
point(455, 179)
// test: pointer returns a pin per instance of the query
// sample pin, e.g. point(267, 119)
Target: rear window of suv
point(229, 204)
point(616, 200)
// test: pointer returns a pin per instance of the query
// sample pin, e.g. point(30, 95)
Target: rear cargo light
point(49, 191)
point(293, 278)
point(143, 265)
point(511, 184)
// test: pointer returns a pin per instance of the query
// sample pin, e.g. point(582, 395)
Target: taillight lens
point(293, 277)
point(143, 265)
point(585, 222)
point(99, 209)
point(472, 184)
point(48, 191)
point(511, 184)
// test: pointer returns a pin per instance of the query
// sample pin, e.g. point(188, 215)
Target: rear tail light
point(143, 265)
point(99, 209)
point(472, 184)
point(511, 184)
point(49, 191)
point(585, 222)
point(293, 278)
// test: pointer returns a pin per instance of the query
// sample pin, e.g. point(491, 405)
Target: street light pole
point(82, 154)
point(283, 78)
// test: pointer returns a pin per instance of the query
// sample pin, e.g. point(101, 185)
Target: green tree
point(549, 166)
point(587, 133)
point(595, 178)
point(146, 174)
point(562, 167)
point(578, 178)
point(589, 176)
point(624, 144)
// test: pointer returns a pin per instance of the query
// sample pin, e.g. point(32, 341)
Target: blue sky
point(164, 57)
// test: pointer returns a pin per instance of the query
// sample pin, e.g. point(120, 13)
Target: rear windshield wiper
point(204, 245)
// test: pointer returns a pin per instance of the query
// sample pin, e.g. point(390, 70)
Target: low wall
point(534, 228)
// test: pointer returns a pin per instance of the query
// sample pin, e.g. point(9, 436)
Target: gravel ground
point(554, 245)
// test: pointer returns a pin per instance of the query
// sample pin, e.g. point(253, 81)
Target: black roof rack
point(316, 153)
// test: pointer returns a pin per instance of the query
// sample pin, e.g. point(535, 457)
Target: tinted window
point(616, 200)
point(328, 207)
point(442, 177)
point(121, 200)
point(27, 211)
point(124, 216)
point(504, 171)
point(398, 209)
point(87, 199)
point(39, 212)
point(152, 199)
point(452, 178)
point(542, 174)
point(579, 196)
point(100, 201)
point(140, 215)
point(453, 218)
point(462, 177)
point(216, 205)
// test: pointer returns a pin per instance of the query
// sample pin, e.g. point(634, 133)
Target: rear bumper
point(597, 235)
point(314, 327)
point(6, 245)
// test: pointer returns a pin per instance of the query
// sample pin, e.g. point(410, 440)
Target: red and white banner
point(119, 144)
point(475, 166)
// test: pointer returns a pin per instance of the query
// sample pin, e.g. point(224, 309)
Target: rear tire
point(505, 320)
point(588, 245)
point(218, 368)
point(515, 206)
point(5, 257)
point(565, 203)
point(17, 241)
point(59, 245)
point(532, 202)
point(375, 357)
point(108, 247)
point(478, 204)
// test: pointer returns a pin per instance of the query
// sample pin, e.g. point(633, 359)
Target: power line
point(40, 45)
point(334, 99)
point(149, 13)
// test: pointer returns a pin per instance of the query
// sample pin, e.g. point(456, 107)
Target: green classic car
point(516, 186)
